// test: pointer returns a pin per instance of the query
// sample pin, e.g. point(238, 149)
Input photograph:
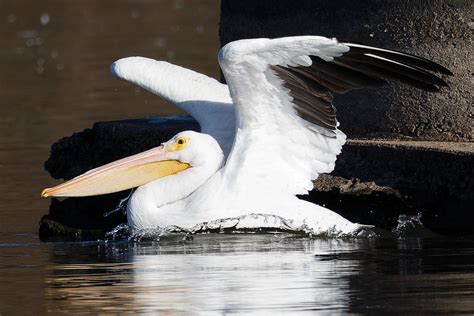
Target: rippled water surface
point(237, 273)
point(54, 81)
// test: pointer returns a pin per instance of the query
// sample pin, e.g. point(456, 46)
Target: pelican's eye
point(179, 143)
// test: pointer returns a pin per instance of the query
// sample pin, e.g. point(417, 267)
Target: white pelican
point(265, 136)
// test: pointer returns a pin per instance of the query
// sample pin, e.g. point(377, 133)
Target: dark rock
point(367, 202)
point(435, 180)
point(407, 166)
point(437, 30)
point(82, 218)
point(374, 181)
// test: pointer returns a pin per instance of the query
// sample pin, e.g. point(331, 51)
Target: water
point(54, 81)
point(237, 273)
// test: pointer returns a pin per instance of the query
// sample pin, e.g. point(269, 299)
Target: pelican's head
point(185, 150)
point(194, 148)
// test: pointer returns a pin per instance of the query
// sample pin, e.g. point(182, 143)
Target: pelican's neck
point(152, 204)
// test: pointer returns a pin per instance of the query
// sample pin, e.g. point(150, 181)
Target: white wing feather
point(203, 97)
point(275, 151)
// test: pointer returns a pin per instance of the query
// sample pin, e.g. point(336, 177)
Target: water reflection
point(227, 273)
point(224, 273)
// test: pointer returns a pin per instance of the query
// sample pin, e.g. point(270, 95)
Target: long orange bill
point(123, 174)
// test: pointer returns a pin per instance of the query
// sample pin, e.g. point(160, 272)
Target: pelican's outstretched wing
point(282, 92)
point(203, 97)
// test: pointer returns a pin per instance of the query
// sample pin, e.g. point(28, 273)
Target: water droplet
point(30, 42)
point(178, 4)
point(170, 54)
point(44, 19)
point(200, 29)
point(37, 41)
point(11, 18)
point(160, 42)
point(134, 14)
point(28, 33)
point(121, 206)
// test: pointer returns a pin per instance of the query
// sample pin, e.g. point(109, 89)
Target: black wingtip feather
point(371, 63)
point(350, 77)
point(361, 67)
point(387, 73)
point(405, 58)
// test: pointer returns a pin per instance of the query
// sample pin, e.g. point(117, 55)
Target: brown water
point(54, 81)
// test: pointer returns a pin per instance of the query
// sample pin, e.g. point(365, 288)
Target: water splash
point(245, 224)
point(122, 206)
point(251, 223)
point(120, 232)
point(411, 226)
point(124, 232)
